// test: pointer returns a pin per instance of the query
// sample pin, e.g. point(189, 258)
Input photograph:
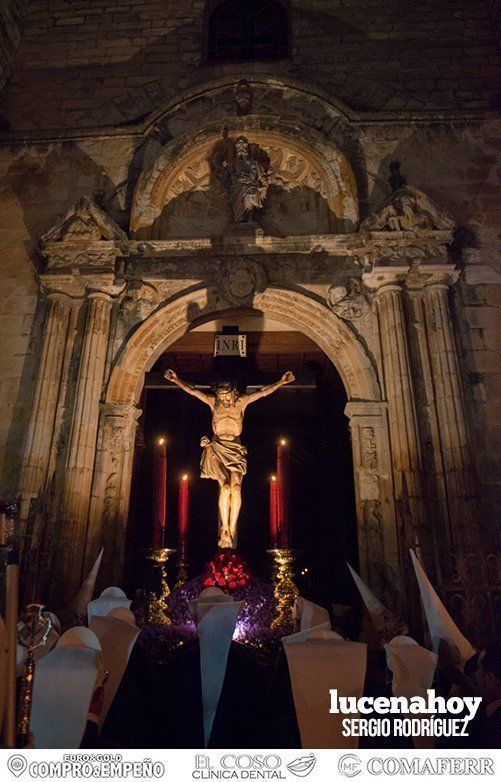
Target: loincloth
point(226, 453)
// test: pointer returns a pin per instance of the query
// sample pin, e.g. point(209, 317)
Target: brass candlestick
point(34, 633)
point(182, 570)
point(156, 587)
point(285, 589)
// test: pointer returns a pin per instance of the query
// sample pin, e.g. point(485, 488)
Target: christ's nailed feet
point(225, 539)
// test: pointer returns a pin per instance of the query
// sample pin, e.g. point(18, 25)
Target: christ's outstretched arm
point(207, 398)
point(287, 377)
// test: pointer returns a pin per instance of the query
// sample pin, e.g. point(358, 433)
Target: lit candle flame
point(273, 477)
point(185, 477)
point(161, 440)
point(283, 441)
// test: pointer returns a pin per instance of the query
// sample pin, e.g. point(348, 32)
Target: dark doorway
point(309, 414)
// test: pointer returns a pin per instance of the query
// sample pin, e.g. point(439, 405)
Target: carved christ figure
point(224, 457)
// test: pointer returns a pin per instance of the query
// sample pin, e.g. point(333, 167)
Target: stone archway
point(367, 412)
point(304, 312)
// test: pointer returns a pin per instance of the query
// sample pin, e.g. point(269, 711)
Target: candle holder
point(285, 591)
point(182, 570)
point(156, 588)
point(34, 633)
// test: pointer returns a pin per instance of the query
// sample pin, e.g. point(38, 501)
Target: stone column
point(65, 381)
point(453, 437)
point(433, 465)
point(433, 473)
point(39, 437)
point(111, 489)
point(414, 531)
point(462, 568)
point(82, 442)
point(404, 431)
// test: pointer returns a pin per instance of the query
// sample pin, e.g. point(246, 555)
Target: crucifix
point(224, 457)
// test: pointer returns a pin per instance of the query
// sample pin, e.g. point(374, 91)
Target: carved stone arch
point(300, 160)
point(269, 84)
point(366, 410)
point(305, 313)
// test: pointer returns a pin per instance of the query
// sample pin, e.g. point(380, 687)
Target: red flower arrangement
point(226, 571)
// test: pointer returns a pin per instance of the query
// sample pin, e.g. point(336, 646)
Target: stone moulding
point(277, 87)
point(174, 318)
point(389, 243)
point(84, 237)
point(85, 220)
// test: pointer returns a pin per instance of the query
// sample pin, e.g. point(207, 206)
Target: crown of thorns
point(224, 386)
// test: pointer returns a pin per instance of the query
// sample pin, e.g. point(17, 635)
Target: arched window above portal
point(247, 30)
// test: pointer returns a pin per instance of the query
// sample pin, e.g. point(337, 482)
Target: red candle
point(273, 512)
point(283, 480)
point(160, 487)
point(183, 512)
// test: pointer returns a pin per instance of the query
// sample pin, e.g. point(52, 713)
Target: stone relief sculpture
point(369, 446)
point(350, 301)
point(139, 301)
point(242, 93)
point(408, 209)
point(246, 180)
point(368, 475)
point(239, 280)
point(290, 170)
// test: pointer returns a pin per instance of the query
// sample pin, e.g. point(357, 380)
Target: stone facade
point(112, 63)
point(12, 15)
point(115, 241)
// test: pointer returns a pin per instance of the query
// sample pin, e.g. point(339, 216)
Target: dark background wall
point(12, 15)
